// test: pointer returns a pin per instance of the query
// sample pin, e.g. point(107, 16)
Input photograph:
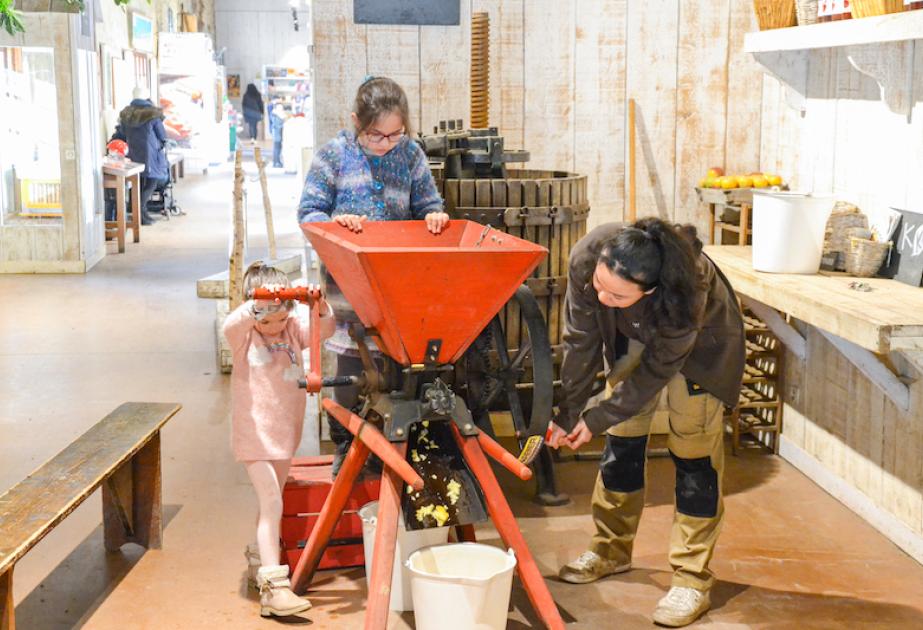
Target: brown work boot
point(589, 567)
point(276, 596)
point(681, 606)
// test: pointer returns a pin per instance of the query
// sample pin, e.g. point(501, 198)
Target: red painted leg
point(505, 523)
point(389, 508)
point(329, 515)
point(465, 533)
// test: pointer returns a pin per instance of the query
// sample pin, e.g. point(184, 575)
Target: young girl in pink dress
point(267, 339)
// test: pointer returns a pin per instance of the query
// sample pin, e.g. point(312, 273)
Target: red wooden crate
point(309, 482)
point(335, 557)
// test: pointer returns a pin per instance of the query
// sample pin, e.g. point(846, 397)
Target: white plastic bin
point(788, 231)
point(462, 586)
point(407, 543)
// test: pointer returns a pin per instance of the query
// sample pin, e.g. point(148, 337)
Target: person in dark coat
point(252, 104)
point(141, 126)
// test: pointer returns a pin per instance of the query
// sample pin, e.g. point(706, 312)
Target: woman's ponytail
point(657, 255)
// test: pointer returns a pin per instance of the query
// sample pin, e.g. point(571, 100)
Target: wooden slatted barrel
point(546, 207)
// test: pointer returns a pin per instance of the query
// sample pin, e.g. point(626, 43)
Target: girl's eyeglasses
point(377, 138)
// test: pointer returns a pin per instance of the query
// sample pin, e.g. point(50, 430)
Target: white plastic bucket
point(788, 231)
point(462, 586)
point(407, 543)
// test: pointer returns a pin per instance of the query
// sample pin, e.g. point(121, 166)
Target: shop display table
point(115, 176)
point(865, 325)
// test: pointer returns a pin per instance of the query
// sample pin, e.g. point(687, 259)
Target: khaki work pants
point(696, 445)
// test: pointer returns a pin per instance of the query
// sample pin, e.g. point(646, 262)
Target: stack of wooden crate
point(759, 413)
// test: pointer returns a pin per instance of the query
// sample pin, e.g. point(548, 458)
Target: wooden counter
point(889, 317)
point(852, 386)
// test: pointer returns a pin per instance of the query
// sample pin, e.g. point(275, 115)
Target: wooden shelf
point(895, 27)
point(881, 47)
point(889, 317)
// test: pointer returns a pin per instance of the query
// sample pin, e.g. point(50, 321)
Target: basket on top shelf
point(868, 8)
point(806, 10)
point(775, 13)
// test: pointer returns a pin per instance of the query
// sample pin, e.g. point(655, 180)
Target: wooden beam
point(267, 204)
point(632, 190)
point(872, 367)
point(236, 263)
point(7, 610)
point(792, 339)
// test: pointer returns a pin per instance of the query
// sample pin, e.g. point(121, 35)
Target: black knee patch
point(696, 487)
point(622, 465)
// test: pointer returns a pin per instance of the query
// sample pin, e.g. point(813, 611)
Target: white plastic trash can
point(788, 231)
point(407, 543)
point(461, 586)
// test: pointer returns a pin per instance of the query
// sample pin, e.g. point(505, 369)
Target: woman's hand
point(436, 221)
point(557, 437)
point(579, 436)
point(352, 222)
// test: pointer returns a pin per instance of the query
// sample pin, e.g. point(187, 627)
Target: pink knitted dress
point(268, 406)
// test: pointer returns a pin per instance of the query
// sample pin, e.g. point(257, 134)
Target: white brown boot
point(276, 596)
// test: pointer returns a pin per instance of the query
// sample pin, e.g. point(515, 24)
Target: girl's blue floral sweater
point(344, 179)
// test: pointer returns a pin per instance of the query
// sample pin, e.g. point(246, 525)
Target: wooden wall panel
point(599, 104)
point(701, 103)
point(339, 65)
point(653, 29)
point(548, 83)
point(444, 87)
point(394, 52)
point(744, 93)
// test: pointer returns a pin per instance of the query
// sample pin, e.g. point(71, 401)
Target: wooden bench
point(121, 453)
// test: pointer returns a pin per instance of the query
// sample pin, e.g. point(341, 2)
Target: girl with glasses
point(371, 172)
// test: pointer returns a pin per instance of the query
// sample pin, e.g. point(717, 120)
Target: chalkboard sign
point(438, 12)
point(907, 254)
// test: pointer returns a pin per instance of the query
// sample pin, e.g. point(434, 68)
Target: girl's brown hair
point(378, 96)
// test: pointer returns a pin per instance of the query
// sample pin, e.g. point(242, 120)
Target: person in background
point(376, 172)
point(277, 118)
point(252, 104)
point(267, 339)
point(644, 302)
point(141, 126)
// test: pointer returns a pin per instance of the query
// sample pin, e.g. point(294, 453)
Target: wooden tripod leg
point(505, 523)
point(389, 511)
point(329, 515)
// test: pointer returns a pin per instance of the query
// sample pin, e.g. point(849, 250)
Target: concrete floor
point(74, 347)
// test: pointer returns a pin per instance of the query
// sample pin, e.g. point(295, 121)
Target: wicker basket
point(775, 13)
point(868, 8)
point(806, 11)
point(865, 256)
point(836, 237)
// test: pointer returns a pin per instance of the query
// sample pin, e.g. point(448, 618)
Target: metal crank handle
point(333, 381)
point(300, 294)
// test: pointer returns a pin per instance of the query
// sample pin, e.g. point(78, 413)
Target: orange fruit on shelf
point(760, 181)
point(727, 182)
point(744, 181)
point(703, 183)
point(774, 180)
point(715, 171)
